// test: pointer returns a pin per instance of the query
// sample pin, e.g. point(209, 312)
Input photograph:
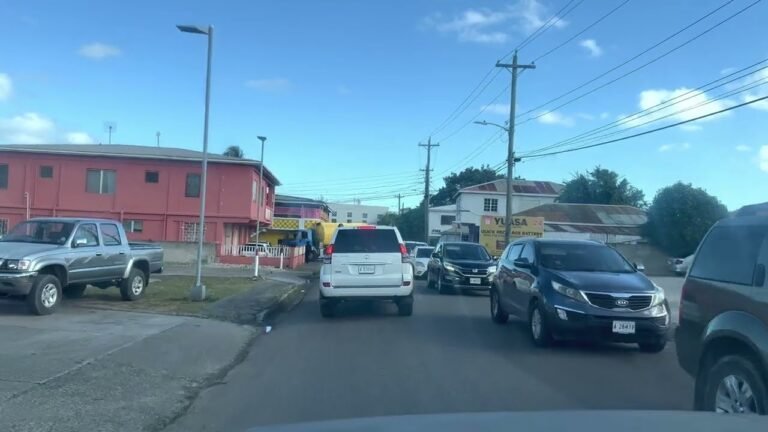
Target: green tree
point(680, 215)
point(388, 219)
point(410, 222)
point(234, 151)
point(601, 186)
point(469, 177)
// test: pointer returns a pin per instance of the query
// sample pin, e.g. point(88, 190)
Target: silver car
point(420, 258)
point(680, 266)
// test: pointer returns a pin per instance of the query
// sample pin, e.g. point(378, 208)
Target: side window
point(438, 249)
point(528, 252)
point(729, 254)
point(514, 251)
point(86, 236)
point(110, 235)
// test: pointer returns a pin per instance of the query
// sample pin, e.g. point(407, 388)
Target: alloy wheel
point(735, 396)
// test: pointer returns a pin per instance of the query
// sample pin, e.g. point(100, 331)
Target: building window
point(192, 189)
point(100, 181)
point(131, 225)
point(3, 176)
point(490, 205)
point(189, 231)
point(333, 220)
point(151, 177)
point(364, 221)
point(349, 220)
point(46, 171)
point(110, 235)
point(3, 226)
point(349, 215)
point(365, 215)
point(447, 219)
point(333, 213)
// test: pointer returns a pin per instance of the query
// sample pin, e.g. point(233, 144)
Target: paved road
point(447, 357)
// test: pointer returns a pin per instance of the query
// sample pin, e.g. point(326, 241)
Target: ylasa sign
point(492, 231)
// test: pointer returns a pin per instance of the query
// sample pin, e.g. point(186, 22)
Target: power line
point(655, 108)
point(346, 180)
point(634, 58)
point(552, 21)
point(585, 29)
point(680, 123)
point(468, 122)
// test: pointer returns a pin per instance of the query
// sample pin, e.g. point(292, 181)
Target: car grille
point(608, 301)
point(472, 272)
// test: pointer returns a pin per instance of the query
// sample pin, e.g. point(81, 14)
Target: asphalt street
point(447, 357)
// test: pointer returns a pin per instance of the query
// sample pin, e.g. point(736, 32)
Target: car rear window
point(366, 241)
point(729, 254)
point(466, 252)
point(424, 252)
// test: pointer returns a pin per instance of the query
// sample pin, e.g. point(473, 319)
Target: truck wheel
point(733, 385)
point(133, 287)
point(74, 291)
point(405, 306)
point(45, 295)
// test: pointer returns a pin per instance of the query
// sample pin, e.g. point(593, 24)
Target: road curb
point(284, 303)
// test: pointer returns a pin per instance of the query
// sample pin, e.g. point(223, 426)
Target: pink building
point(154, 191)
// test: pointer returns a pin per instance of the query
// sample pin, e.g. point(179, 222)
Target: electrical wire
point(553, 20)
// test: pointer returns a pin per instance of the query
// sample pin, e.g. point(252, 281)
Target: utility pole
point(260, 206)
point(511, 145)
point(399, 209)
point(157, 134)
point(429, 147)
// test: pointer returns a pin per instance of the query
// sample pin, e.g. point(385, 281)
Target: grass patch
point(169, 294)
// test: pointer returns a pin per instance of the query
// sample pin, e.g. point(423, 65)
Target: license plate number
point(624, 327)
point(366, 269)
point(475, 281)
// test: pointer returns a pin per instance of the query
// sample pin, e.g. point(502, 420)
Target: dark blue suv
point(578, 289)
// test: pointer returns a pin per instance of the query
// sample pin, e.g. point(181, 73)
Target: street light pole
point(259, 206)
point(197, 292)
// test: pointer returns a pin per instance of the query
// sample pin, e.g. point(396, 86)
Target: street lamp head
point(262, 138)
point(192, 29)
point(484, 123)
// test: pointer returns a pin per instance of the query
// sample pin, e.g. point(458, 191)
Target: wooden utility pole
point(429, 147)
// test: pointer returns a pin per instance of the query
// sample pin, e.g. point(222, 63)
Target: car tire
point(653, 347)
point(441, 288)
point(74, 291)
point(133, 287)
point(498, 314)
point(430, 282)
point(45, 296)
point(538, 328)
point(405, 306)
point(327, 309)
point(732, 367)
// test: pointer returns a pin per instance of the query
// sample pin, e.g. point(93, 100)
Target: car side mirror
point(435, 255)
point(523, 263)
point(79, 242)
point(639, 267)
point(759, 275)
point(495, 257)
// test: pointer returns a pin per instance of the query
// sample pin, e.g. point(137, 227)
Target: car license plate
point(624, 327)
point(366, 269)
point(475, 281)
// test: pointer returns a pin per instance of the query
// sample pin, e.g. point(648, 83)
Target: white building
point(491, 198)
point(356, 213)
point(440, 219)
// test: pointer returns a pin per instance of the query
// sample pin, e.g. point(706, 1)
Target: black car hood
point(470, 264)
point(544, 421)
point(604, 281)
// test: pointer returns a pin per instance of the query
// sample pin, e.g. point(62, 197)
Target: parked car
point(578, 290)
point(411, 245)
point(722, 336)
point(41, 259)
point(680, 266)
point(420, 258)
point(366, 263)
point(460, 266)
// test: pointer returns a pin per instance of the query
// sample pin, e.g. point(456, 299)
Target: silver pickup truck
point(43, 258)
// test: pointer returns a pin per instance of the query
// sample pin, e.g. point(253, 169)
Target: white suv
point(366, 263)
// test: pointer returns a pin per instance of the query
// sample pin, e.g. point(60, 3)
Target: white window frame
point(491, 205)
point(101, 180)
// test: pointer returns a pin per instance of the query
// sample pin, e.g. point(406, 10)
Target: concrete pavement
point(447, 357)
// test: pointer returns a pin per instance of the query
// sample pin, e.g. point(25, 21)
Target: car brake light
point(367, 227)
point(404, 253)
point(328, 254)
point(406, 283)
point(326, 284)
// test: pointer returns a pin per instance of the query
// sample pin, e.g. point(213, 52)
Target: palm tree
point(234, 151)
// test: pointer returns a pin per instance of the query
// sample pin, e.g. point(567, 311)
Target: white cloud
point(497, 108)
point(6, 87)
point(343, 90)
point(269, 84)
point(743, 148)
point(488, 26)
point(98, 51)
point(675, 146)
point(585, 116)
point(763, 158)
point(591, 46)
point(555, 118)
point(727, 71)
point(690, 103)
point(79, 138)
point(27, 128)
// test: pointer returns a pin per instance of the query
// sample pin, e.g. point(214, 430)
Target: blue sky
point(345, 90)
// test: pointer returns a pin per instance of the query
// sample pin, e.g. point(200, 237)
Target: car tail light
point(367, 227)
point(406, 283)
point(328, 254)
point(678, 261)
point(404, 253)
point(326, 284)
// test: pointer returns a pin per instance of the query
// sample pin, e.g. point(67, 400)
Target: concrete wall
point(654, 260)
point(435, 215)
point(470, 205)
point(357, 210)
point(185, 253)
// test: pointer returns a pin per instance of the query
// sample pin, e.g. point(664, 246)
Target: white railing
point(264, 251)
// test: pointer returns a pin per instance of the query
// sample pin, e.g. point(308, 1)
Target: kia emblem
point(474, 270)
point(622, 302)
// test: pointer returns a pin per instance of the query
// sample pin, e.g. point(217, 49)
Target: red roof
point(518, 186)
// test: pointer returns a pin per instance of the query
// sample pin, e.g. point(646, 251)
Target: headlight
point(449, 267)
point(492, 269)
point(657, 310)
point(568, 292)
point(658, 296)
point(17, 264)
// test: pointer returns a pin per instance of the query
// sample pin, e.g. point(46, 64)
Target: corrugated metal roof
point(588, 214)
point(518, 186)
point(133, 151)
point(594, 229)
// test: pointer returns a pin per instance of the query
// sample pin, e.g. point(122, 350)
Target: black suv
point(578, 289)
point(460, 266)
point(722, 338)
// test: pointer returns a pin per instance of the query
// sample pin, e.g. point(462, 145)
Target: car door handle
point(122, 253)
point(98, 254)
